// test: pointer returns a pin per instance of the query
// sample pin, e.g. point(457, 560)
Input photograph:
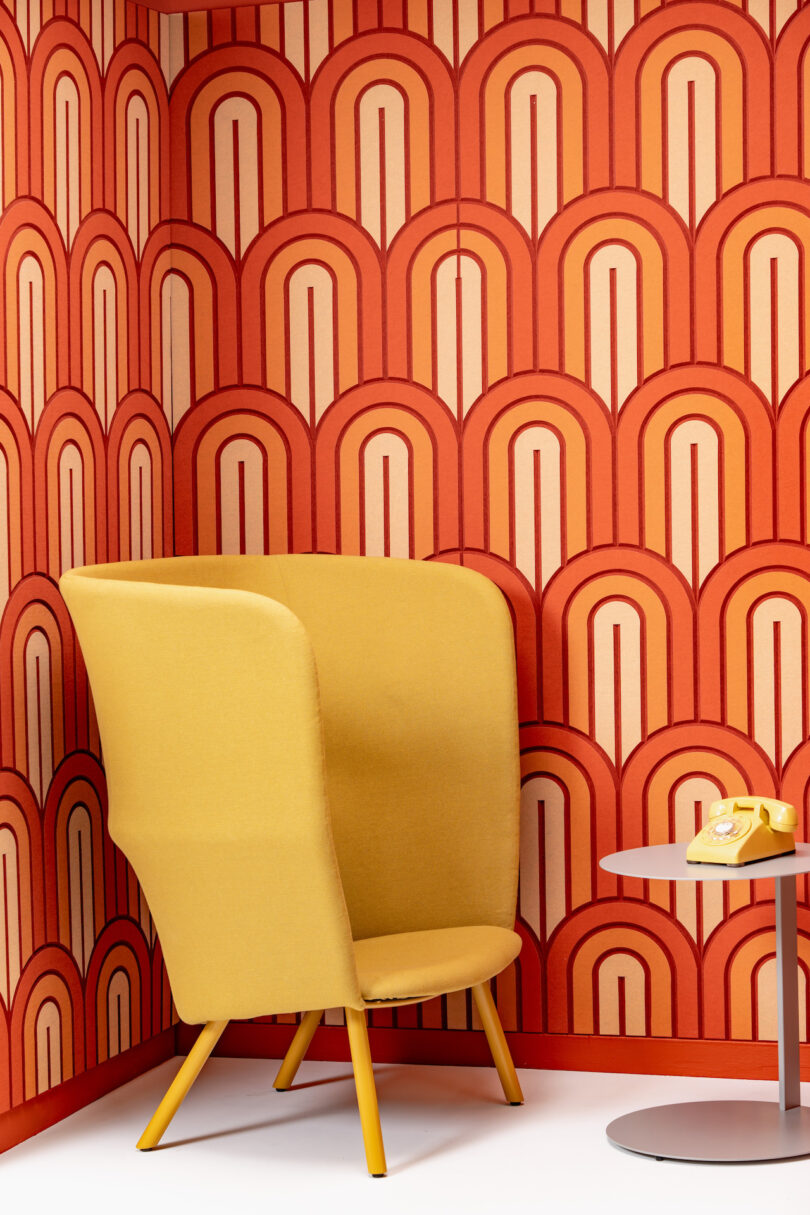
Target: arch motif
point(629, 614)
point(319, 300)
point(136, 117)
point(750, 258)
point(34, 258)
point(76, 908)
point(30, 300)
point(588, 328)
point(72, 484)
point(35, 731)
point(420, 77)
point(251, 501)
point(139, 478)
point(584, 943)
point(425, 436)
point(206, 353)
point(562, 804)
point(104, 294)
point(567, 59)
point(267, 421)
point(689, 441)
point(753, 590)
point(456, 279)
point(66, 109)
point(75, 853)
point(118, 1011)
point(738, 58)
point(622, 981)
point(21, 919)
point(733, 961)
point(46, 1050)
point(262, 79)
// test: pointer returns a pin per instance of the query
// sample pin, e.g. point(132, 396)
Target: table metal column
point(787, 993)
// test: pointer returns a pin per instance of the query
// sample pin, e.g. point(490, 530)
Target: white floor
point(452, 1145)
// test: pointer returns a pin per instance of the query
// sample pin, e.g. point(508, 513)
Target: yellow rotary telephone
point(744, 829)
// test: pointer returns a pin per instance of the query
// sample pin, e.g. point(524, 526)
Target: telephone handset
point(744, 829)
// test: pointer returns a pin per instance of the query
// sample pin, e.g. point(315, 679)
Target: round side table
point(729, 1131)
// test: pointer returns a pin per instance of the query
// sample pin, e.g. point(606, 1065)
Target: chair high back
point(312, 767)
point(415, 670)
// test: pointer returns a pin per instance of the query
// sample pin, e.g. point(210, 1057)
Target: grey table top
point(668, 861)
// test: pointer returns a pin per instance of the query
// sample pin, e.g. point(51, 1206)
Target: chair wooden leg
point(297, 1049)
point(482, 994)
point(366, 1092)
point(190, 1070)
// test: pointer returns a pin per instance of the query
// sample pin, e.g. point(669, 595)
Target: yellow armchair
point(312, 767)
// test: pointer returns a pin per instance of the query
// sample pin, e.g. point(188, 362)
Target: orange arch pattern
point(520, 286)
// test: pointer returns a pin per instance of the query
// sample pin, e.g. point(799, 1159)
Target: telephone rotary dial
point(744, 829)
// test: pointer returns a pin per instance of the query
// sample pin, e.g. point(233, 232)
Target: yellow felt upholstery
point(418, 965)
point(303, 752)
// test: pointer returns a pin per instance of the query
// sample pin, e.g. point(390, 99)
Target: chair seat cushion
point(418, 965)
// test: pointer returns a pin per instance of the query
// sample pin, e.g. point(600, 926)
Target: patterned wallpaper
point(509, 283)
point(85, 474)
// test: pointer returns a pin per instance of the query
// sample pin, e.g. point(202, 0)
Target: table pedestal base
point(716, 1131)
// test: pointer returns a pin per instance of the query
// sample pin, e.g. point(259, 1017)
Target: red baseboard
point(566, 1052)
point(43, 1111)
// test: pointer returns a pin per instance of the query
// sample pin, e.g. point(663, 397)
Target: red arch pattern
point(522, 297)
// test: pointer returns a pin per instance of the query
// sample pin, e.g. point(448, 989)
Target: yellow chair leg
point(482, 994)
point(366, 1092)
point(192, 1066)
point(297, 1049)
